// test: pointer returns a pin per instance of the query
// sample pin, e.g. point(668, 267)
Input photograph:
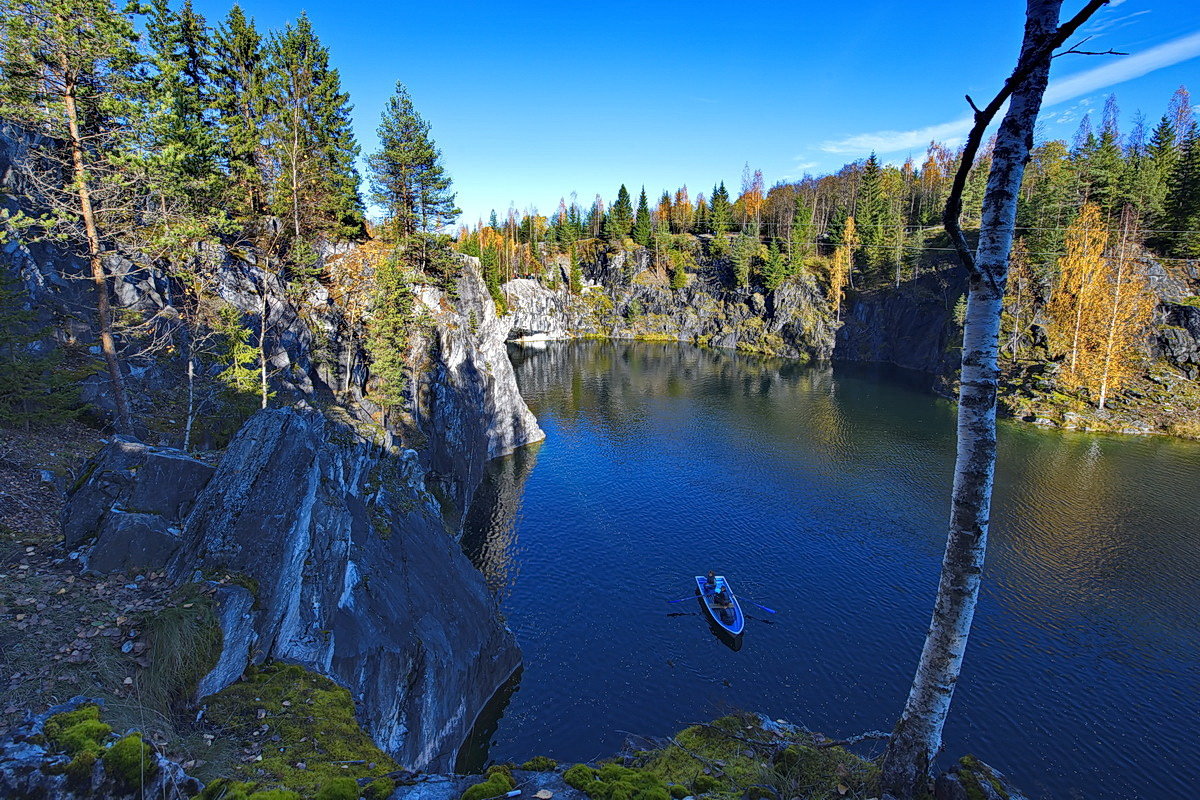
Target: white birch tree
point(907, 763)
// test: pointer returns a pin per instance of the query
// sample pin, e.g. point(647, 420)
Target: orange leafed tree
point(1073, 305)
point(1100, 308)
point(839, 272)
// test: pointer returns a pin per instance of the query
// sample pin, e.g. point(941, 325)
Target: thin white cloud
point(1119, 70)
point(1124, 68)
point(891, 141)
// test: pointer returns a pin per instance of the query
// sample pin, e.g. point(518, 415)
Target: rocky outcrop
point(33, 769)
point(1177, 338)
point(912, 326)
point(468, 404)
point(356, 578)
point(132, 500)
point(791, 321)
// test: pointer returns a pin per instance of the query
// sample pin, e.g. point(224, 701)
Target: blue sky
point(531, 101)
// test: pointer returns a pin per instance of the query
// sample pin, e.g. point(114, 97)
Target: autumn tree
point(1075, 299)
point(842, 267)
point(1100, 307)
point(66, 71)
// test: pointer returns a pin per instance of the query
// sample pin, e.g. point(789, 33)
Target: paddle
point(764, 608)
point(680, 600)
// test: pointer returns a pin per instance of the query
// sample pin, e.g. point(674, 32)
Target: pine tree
point(1182, 216)
point(181, 151)
point(239, 81)
point(642, 227)
point(66, 71)
point(312, 138)
point(720, 212)
point(619, 222)
point(407, 176)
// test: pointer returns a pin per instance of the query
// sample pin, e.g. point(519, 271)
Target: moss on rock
point(338, 789)
point(314, 721)
point(540, 764)
point(130, 760)
point(497, 784)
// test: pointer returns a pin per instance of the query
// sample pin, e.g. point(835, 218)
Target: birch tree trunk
point(915, 742)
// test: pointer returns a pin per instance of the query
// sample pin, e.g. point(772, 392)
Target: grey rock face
point(357, 578)
point(912, 327)
point(1178, 338)
point(791, 321)
point(235, 614)
point(469, 406)
point(132, 499)
point(31, 771)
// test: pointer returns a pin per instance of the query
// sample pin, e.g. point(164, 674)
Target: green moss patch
point(498, 784)
point(735, 757)
point(131, 760)
point(302, 727)
point(78, 731)
point(540, 764)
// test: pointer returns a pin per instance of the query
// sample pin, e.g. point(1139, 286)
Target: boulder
point(132, 500)
point(971, 779)
point(356, 576)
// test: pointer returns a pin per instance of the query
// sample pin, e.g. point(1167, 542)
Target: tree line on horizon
point(883, 212)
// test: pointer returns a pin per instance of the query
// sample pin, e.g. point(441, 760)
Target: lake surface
point(824, 495)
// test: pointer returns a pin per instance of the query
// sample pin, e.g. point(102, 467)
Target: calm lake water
point(824, 494)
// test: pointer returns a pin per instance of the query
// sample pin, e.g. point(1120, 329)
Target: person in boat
point(723, 604)
point(710, 584)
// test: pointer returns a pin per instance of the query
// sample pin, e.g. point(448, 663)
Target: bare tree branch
point(984, 117)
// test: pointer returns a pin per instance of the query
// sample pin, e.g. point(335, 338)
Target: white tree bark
point(918, 735)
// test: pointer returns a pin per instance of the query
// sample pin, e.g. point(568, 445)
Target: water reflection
point(824, 494)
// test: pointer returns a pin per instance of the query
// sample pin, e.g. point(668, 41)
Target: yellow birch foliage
point(1075, 304)
point(1100, 309)
point(839, 272)
point(1131, 306)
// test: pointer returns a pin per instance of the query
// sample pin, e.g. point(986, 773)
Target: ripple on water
point(824, 495)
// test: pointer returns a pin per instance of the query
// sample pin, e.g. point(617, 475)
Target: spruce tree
point(181, 154)
point(239, 80)
point(312, 139)
point(871, 216)
point(642, 227)
point(619, 222)
point(720, 212)
point(1183, 200)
